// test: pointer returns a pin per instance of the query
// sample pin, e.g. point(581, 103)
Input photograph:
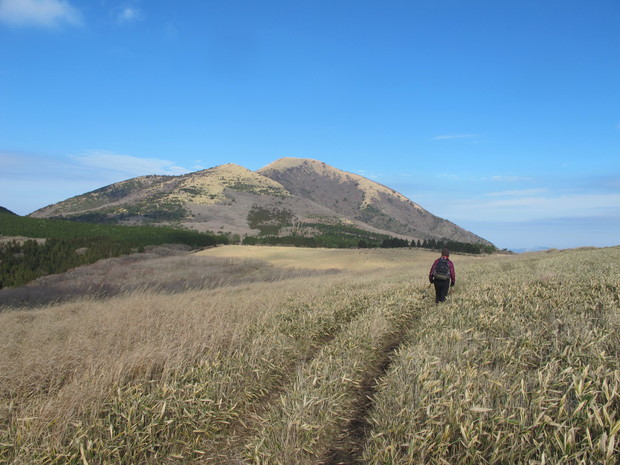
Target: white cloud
point(128, 165)
point(39, 13)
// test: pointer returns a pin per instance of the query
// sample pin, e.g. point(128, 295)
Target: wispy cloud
point(368, 174)
point(518, 192)
point(31, 181)
point(39, 13)
point(128, 15)
point(529, 207)
point(451, 176)
point(126, 164)
point(456, 136)
point(503, 178)
point(564, 205)
point(598, 231)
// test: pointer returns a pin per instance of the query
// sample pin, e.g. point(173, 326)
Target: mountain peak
point(227, 168)
point(209, 186)
point(289, 191)
point(290, 162)
point(306, 167)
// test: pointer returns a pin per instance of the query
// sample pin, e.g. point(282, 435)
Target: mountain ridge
point(284, 197)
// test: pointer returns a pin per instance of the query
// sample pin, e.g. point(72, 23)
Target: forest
point(364, 240)
point(62, 245)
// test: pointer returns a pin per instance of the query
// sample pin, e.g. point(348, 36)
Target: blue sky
point(502, 116)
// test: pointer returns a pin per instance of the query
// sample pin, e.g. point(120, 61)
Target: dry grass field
point(317, 366)
point(324, 259)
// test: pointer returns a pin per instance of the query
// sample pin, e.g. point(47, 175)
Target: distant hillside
point(7, 211)
point(291, 196)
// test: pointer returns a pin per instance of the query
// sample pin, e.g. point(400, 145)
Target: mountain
point(365, 201)
point(290, 195)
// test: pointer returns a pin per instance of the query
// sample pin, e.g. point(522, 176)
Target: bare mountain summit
point(288, 195)
point(358, 198)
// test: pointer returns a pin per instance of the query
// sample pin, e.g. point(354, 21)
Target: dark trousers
point(441, 289)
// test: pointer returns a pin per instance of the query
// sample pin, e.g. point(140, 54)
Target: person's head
point(445, 253)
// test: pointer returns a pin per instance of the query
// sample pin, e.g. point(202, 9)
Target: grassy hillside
point(519, 366)
point(6, 211)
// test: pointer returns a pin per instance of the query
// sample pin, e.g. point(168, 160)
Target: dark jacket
point(452, 272)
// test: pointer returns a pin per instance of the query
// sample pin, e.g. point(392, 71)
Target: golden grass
point(519, 366)
point(160, 270)
point(207, 187)
point(324, 259)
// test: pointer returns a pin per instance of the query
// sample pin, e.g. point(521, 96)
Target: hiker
point(442, 275)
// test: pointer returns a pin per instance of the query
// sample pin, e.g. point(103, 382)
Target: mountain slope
point(288, 195)
point(6, 211)
point(361, 199)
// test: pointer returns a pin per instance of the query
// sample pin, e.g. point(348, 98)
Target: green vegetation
point(329, 235)
point(138, 235)
point(105, 195)
point(194, 191)
point(454, 246)
point(21, 263)
point(270, 222)
point(371, 214)
point(69, 244)
point(6, 210)
point(257, 189)
point(150, 211)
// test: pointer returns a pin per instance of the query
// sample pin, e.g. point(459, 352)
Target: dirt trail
point(348, 446)
point(239, 432)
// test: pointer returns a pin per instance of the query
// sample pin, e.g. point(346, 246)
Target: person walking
point(442, 275)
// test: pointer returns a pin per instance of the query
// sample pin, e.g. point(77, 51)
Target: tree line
point(388, 242)
point(70, 244)
point(22, 262)
point(13, 225)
